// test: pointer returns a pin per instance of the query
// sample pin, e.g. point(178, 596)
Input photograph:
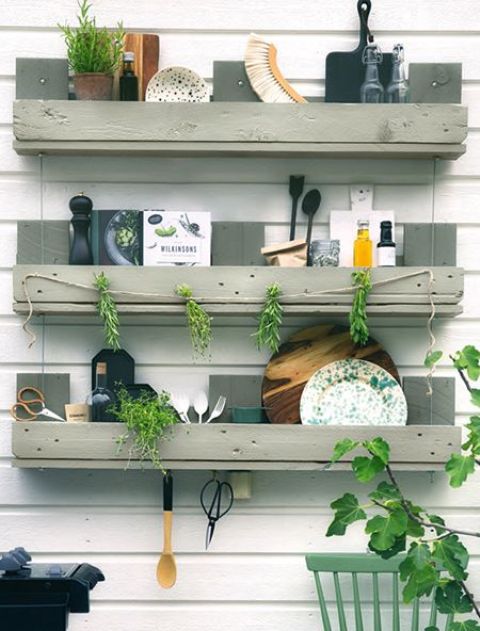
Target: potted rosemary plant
point(93, 54)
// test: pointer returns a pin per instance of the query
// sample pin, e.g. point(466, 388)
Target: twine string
point(139, 294)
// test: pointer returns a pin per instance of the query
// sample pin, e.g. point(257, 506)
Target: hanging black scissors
point(216, 499)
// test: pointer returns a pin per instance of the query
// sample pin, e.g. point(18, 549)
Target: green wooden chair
point(359, 566)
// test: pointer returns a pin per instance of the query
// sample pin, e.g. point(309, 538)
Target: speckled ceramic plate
point(353, 392)
point(177, 85)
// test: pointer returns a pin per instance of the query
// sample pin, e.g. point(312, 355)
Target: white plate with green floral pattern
point(353, 392)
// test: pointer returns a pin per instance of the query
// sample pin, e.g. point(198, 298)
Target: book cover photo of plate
point(353, 392)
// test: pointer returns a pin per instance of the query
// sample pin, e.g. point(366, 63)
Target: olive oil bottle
point(362, 247)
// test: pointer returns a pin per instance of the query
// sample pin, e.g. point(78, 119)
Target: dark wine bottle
point(386, 249)
point(128, 80)
point(101, 398)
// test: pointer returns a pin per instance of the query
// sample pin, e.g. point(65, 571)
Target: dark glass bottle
point(398, 90)
point(101, 398)
point(80, 250)
point(386, 249)
point(128, 80)
point(371, 90)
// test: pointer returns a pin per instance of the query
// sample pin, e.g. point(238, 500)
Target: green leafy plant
point(107, 310)
point(146, 419)
point(92, 49)
point(362, 281)
point(270, 320)
point(199, 322)
point(436, 560)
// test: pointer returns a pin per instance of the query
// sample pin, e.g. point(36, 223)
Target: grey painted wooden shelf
point(236, 290)
point(226, 446)
point(330, 130)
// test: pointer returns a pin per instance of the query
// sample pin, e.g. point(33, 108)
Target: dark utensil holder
point(41, 612)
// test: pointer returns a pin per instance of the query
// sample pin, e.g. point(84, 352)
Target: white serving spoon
point(200, 405)
point(181, 403)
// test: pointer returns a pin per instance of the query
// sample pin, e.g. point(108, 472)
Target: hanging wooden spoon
point(167, 568)
point(310, 205)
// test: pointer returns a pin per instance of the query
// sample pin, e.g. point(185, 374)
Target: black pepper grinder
point(80, 250)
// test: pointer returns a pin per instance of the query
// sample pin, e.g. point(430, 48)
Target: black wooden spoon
point(310, 205)
point(296, 184)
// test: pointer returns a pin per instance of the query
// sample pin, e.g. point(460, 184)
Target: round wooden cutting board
point(301, 356)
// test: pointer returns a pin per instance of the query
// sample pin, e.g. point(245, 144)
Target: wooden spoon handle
point(167, 532)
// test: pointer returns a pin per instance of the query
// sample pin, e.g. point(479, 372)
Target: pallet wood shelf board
point(335, 130)
point(237, 290)
point(227, 445)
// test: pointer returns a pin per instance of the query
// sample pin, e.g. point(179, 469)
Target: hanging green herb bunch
point(199, 322)
point(270, 320)
point(107, 310)
point(146, 419)
point(362, 281)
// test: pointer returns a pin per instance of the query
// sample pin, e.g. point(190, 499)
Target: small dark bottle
point(386, 249)
point(80, 250)
point(128, 80)
point(101, 398)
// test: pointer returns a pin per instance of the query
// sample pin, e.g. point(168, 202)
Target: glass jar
point(325, 253)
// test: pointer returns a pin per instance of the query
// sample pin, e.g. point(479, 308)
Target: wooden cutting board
point(147, 49)
point(301, 356)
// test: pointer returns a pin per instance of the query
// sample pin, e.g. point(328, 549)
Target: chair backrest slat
point(342, 622)
point(323, 605)
point(448, 621)
point(415, 614)
point(357, 604)
point(432, 621)
point(356, 565)
point(395, 603)
point(377, 617)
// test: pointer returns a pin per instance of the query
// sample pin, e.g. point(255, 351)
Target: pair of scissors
point(30, 405)
point(216, 499)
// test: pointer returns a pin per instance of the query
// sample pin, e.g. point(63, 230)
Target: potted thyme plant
point(93, 54)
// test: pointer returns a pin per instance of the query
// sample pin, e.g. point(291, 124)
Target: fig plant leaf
point(365, 468)
point(344, 447)
point(464, 625)
point(450, 598)
point(459, 467)
point(378, 447)
point(432, 358)
point(347, 510)
point(451, 554)
point(385, 530)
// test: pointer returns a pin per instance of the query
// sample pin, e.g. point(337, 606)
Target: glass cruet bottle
point(371, 90)
point(398, 90)
point(362, 247)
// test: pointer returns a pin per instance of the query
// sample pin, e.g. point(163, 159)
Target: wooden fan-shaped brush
point(264, 75)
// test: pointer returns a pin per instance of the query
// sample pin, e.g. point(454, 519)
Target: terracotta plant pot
point(93, 86)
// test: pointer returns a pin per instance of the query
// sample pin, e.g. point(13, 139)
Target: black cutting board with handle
point(345, 71)
point(120, 368)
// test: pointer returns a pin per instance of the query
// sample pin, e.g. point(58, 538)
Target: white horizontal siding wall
point(254, 575)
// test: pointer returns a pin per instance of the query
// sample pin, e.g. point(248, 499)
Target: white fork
point(218, 409)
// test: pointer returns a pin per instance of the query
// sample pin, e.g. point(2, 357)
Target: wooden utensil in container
point(167, 568)
point(146, 48)
point(301, 356)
